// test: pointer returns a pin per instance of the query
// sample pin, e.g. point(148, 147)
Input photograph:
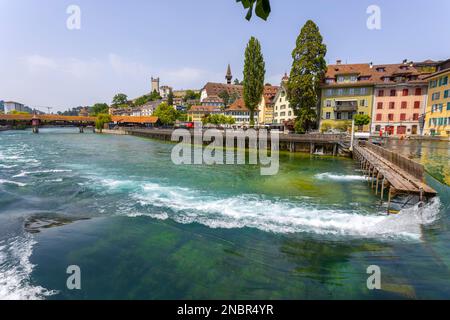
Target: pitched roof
point(374, 74)
point(238, 105)
point(214, 89)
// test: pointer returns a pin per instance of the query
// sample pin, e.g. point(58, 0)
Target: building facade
point(197, 113)
point(400, 99)
point(346, 91)
point(437, 115)
point(241, 114)
point(10, 106)
point(266, 106)
point(282, 110)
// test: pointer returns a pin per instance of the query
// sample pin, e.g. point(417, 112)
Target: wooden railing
point(415, 169)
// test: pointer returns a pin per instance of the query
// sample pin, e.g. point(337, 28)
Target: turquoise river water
point(140, 227)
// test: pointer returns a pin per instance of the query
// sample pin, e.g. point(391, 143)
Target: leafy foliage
point(262, 8)
point(227, 98)
point(99, 108)
point(120, 99)
point(147, 98)
point(101, 120)
point(254, 73)
point(170, 98)
point(191, 95)
point(361, 120)
point(218, 119)
point(18, 112)
point(168, 115)
point(308, 69)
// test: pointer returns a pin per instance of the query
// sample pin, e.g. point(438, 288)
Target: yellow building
point(437, 116)
point(198, 113)
point(347, 91)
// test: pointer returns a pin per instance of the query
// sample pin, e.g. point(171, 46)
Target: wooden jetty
point(392, 172)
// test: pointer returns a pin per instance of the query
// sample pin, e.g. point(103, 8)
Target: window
point(436, 96)
point(404, 105)
point(379, 116)
point(433, 84)
point(378, 128)
point(417, 105)
point(402, 116)
point(446, 94)
point(393, 93)
point(363, 91)
point(381, 93)
point(290, 113)
point(353, 79)
point(340, 79)
point(443, 81)
point(418, 91)
point(391, 117)
point(380, 105)
point(415, 116)
point(448, 106)
point(338, 116)
point(351, 91)
point(363, 103)
point(340, 92)
point(405, 92)
point(391, 105)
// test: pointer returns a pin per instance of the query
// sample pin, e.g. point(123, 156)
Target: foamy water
point(16, 269)
point(284, 216)
point(339, 177)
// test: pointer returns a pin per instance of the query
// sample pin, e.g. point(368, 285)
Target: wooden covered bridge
point(79, 121)
point(392, 173)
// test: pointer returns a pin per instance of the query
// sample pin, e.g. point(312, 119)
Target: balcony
point(346, 106)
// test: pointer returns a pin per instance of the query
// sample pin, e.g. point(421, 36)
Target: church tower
point(229, 76)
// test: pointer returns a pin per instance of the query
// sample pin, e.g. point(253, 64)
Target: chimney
point(338, 62)
point(371, 65)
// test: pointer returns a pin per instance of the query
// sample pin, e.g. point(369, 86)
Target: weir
point(393, 173)
point(323, 144)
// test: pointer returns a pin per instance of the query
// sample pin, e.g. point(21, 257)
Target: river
point(140, 227)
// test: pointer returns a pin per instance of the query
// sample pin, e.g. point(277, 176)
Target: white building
point(13, 106)
point(240, 113)
point(282, 110)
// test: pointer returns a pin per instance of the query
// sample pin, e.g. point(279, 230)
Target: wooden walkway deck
point(392, 172)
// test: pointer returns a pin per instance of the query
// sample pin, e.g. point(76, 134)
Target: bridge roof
point(51, 117)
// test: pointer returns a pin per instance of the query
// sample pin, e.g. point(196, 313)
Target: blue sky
point(121, 44)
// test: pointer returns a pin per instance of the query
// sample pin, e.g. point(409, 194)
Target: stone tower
point(155, 84)
point(229, 76)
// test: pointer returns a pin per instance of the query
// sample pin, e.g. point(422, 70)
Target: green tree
point(142, 100)
point(237, 82)
point(262, 8)
point(361, 120)
point(120, 99)
point(191, 95)
point(166, 114)
point(101, 120)
point(254, 73)
point(308, 69)
point(99, 108)
point(18, 112)
point(170, 98)
point(218, 119)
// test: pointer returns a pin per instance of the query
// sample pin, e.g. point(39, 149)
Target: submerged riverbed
point(140, 227)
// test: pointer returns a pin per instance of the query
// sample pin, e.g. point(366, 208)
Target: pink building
point(400, 99)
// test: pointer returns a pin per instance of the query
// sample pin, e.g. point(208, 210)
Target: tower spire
point(229, 76)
